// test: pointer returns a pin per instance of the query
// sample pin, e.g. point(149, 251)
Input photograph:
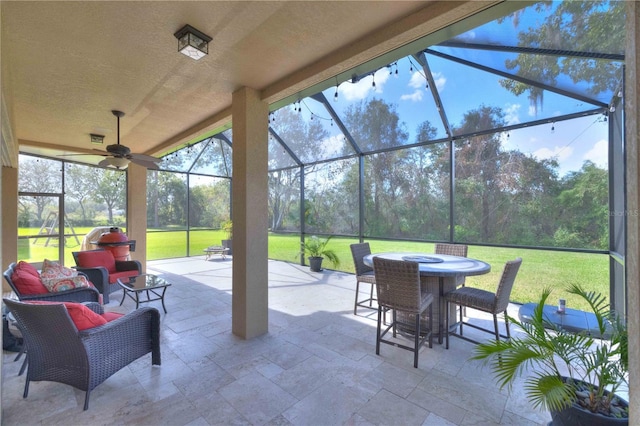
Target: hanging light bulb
point(373, 84)
point(335, 96)
point(553, 127)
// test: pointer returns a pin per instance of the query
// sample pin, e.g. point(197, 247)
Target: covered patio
point(317, 365)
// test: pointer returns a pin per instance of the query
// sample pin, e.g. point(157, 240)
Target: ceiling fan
point(118, 156)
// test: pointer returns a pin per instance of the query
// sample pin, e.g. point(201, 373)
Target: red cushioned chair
point(25, 282)
point(64, 346)
point(103, 270)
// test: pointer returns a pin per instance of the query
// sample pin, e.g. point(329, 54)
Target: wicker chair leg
point(416, 341)
point(355, 305)
point(24, 366)
point(495, 326)
point(506, 324)
point(378, 330)
point(371, 296)
point(86, 401)
point(26, 387)
point(393, 318)
point(446, 323)
point(461, 319)
point(431, 326)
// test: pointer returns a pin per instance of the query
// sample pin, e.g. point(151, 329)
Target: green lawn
point(539, 268)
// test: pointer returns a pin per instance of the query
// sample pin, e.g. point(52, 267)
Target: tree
point(580, 26)
point(376, 125)
point(305, 139)
point(77, 186)
point(584, 204)
point(109, 186)
point(39, 176)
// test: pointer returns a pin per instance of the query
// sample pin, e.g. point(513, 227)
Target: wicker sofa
point(25, 285)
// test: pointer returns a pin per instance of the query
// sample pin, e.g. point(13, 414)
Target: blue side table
point(572, 320)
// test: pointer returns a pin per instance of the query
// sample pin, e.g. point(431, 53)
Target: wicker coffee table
point(145, 283)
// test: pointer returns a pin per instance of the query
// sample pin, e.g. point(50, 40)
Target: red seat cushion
point(91, 259)
point(25, 281)
point(113, 277)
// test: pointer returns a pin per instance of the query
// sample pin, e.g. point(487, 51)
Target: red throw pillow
point(27, 267)
point(91, 259)
point(26, 283)
point(81, 316)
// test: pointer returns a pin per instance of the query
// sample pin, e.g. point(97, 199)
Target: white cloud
point(560, 153)
point(599, 154)
point(360, 90)
point(416, 96)
point(439, 79)
point(511, 114)
point(417, 80)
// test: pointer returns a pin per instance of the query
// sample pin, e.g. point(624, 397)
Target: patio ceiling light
point(119, 163)
point(192, 42)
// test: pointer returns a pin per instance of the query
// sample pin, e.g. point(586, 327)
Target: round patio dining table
point(440, 273)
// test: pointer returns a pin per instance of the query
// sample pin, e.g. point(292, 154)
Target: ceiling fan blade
point(76, 155)
point(144, 163)
point(145, 157)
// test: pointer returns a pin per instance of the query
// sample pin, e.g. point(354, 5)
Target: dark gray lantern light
point(192, 42)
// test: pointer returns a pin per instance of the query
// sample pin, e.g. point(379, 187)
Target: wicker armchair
point(364, 274)
point(398, 287)
point(84, 294)
point(105, 276)
point(58, 352)
point(483, 300)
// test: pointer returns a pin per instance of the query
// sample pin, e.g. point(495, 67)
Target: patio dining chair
point(453, 250)
point(398, 289)
point(483, 300)
point(364, 274)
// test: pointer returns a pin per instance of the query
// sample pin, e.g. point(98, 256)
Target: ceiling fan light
point(192, 42)
point(118, 162)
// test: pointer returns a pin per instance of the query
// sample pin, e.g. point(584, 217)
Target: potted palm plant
point(569, 374)
point(316, 249)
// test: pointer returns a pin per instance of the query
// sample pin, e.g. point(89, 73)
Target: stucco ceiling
point(66, 65)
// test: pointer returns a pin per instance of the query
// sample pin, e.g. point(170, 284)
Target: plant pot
point(315, 263)
point(578, 416)
point(228, 244)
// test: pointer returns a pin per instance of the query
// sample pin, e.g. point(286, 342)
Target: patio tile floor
point(316, 366)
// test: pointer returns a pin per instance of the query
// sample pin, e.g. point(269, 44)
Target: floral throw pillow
point(56, 277)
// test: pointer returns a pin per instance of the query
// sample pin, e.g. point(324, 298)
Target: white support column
point(137, 211)
point(249, 214)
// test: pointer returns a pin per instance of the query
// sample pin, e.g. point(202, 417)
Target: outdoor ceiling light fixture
point(119, 163)
point(192, 42)
point(97, 139)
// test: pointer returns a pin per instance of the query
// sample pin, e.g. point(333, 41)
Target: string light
point(553, 127)
point(373, 75)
